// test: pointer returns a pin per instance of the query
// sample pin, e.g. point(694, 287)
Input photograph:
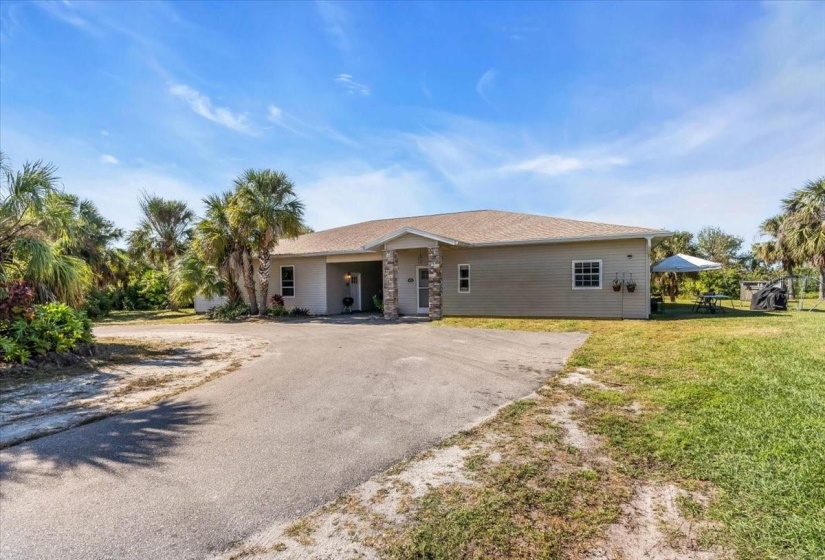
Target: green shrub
point(277, 311)
point(101, 302)
point(147, 290)
point(55, 327)
point(229, 311)
point(378, 301)
point(291, 312)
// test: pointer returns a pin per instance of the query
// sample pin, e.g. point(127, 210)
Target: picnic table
point(711, 303)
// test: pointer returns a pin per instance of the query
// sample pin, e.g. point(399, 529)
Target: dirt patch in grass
point(124, 374)
point(529, 483)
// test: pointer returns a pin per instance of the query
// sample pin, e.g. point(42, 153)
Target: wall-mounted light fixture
point(630, 256)
point(348, 277)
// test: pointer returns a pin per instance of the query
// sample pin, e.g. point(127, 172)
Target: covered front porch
point(412, 282)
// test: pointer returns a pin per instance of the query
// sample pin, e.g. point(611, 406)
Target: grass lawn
point(733, 403)
point(163, 316)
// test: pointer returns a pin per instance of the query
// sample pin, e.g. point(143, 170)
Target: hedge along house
point(484, 263)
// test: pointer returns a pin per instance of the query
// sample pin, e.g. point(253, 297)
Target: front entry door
point(423, 289)
point(355, 290)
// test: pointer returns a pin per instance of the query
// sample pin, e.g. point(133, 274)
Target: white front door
point(355, 290)
point(423, 286)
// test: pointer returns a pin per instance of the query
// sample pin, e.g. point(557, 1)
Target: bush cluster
point(147, 290)
point(42, 329)
point(282, 311)
point(229, 311)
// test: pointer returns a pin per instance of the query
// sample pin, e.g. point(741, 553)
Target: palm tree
point(36, 229)
point(268, 209)
point(804, 226)
point(777, 250)
point(192, 276)
point(216, 244)
point(163, 233)
point(679, 242)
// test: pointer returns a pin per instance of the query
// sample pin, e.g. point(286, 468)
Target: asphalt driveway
point(327, 406)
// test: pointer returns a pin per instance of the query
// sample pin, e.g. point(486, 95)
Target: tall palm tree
point(804, 226)
point(218, 244)
point(163, 233)
point(266, 204)
point(34, 239)
point(777, 249)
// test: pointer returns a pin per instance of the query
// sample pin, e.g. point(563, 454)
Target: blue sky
point(673, 115)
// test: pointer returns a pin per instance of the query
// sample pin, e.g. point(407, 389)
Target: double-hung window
point(587, 275)
point(464, 278)
point(288, 281)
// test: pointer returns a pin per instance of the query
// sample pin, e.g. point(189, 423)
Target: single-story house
point(485, 263)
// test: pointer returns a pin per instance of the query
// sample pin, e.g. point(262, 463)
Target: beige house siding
point(337, 287)
point(410, 241)
point(536, 280)
point(310, 282)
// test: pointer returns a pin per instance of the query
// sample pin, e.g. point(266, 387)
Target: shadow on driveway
point(141, 438)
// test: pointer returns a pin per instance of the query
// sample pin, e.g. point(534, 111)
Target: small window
point(587, 275)
point(288, 281)
point(464, 278)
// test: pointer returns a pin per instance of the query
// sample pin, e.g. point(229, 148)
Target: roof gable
point(376, 243)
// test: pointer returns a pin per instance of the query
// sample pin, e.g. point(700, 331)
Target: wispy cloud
point(555, 164)
point(290, 122)
point(109, 159)
point(351, 86)
point(68, 12)
point(335, 21)
point(484, 83)
point(202, 105)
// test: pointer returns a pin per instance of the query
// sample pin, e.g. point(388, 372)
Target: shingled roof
point(479, 227)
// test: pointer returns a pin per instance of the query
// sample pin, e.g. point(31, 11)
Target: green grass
point(163, 316)
point(735, 400)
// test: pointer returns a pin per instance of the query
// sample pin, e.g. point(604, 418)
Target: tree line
point(63, 248)
point(795, 246)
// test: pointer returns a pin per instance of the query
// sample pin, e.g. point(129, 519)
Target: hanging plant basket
point(630, 285)
point(617, 285)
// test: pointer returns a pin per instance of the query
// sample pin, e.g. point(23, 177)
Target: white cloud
point(554, 164)
point(353, 193)
point(104, 132)
point(351, 85)
point(484, 83)
point(274, 114)
point(109, 159)
point(202, 105)
point(335, 22)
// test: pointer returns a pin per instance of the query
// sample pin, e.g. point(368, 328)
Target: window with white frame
point(288, 281)
point(587, 275)
point(464, 278)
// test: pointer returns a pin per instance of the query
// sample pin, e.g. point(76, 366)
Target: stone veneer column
point(390, 285)
point(435, 282)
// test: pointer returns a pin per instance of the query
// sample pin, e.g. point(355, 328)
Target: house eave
point(580, 239)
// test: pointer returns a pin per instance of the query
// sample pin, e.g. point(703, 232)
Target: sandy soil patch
point(351, 526)
point(652, 525)
point(125, 375)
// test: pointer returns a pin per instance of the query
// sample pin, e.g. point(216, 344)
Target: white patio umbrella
point(684, 263)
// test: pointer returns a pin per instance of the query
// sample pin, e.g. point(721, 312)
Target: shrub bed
point(31, 331)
